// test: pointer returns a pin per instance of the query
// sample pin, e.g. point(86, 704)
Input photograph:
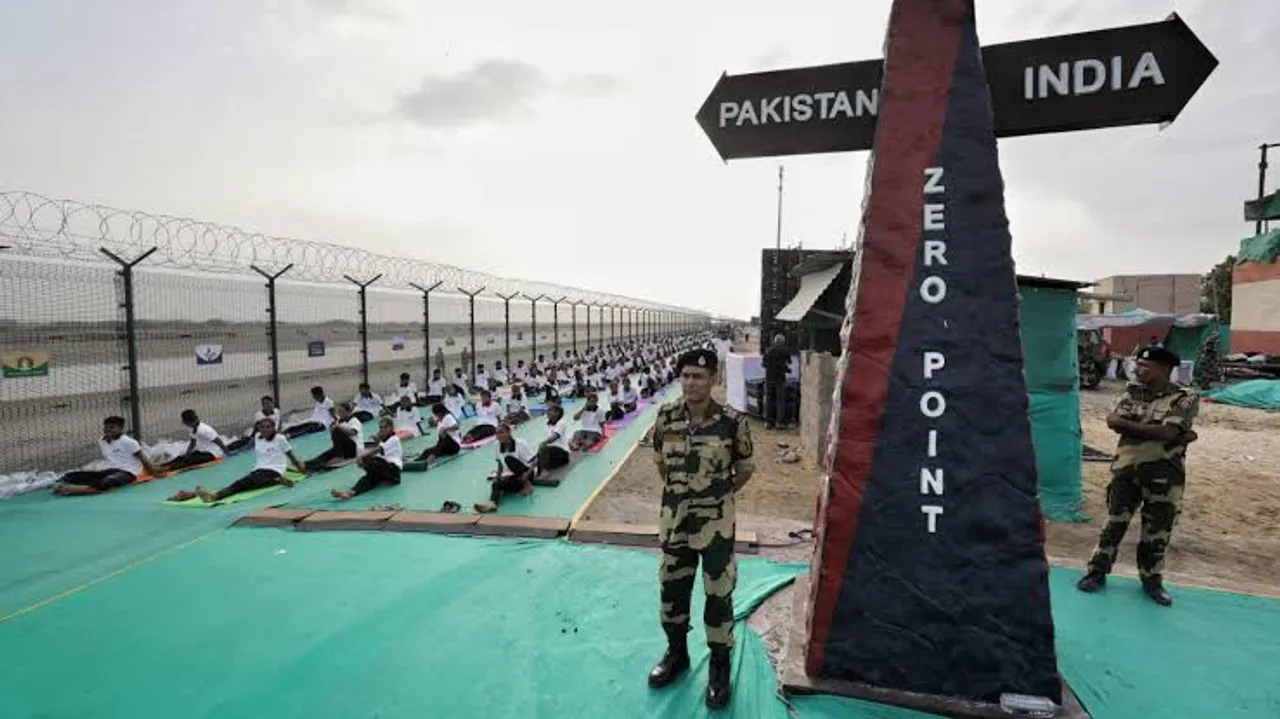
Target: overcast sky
point(555, 140)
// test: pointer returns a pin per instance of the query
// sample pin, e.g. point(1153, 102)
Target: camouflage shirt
point(1173, 405)
point(699, 463)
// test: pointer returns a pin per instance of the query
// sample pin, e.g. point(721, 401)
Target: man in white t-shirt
point(382, 463)
point(460, 381)
point(553, 452)
point(514, 409)
point(273, 454)
point(448, 440)
point(516, 460)
point(499, 374)
point(204, 447)
point(591, 419)
point(488, 415)
point(267, 411)
point(408, 421)
point(125, 463)
point(368, 405)
point(407, 388)
point(481, 379)
point(348, 438)
point(321, 416)
point(435, 388)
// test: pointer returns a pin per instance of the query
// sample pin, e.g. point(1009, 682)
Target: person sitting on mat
point(407, 388)
point(367, 404)
point(514, 408)
point(456, 403)
point(481, 379)
point(515, 469)
point(381, 463)
point(123, 456)
point(520, 373)
point(553, 453)
point(551, 387)
point(629, 399)
point(460, 381)
point(204, 446)
point(408, 422)
point(499, 378)
point(448, 440)
point(488, 414)
point(616, 412)
point(348, 438)
point(435, 388)
point(321, 416)
point(268, 411)
point(592, 424)
point(273, 455)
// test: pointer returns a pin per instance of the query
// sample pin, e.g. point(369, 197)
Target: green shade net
point(1254, 393)
point(1263, 249)
point(1048, 326)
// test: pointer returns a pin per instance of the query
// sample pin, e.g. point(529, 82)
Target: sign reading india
point(31, 363)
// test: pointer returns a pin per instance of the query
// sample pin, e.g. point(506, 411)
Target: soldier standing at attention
point(1153, 418)
point(703, 451)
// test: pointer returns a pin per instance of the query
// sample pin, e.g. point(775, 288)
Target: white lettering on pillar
point(933, 289)
point(932, 511)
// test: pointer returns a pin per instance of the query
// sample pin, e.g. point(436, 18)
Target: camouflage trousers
point(1158, 494)
point(677, 572)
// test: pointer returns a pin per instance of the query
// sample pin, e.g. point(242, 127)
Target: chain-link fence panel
point(489, 333)
point(395, 339)
point(319, 340)
point(63, 351)
point(450, 317)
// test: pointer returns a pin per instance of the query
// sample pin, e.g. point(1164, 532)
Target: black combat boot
point(1153, 587)
point(674, 662)
point(719, 688)
point(1092, 581)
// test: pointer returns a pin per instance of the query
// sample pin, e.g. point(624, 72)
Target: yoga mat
point(480, 442)
point(197, 503)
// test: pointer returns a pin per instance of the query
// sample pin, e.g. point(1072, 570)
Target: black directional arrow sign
point(1135, 75)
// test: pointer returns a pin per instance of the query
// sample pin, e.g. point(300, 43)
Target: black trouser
point(509, 484)
point(444, 447)
point(101, 480)
point(378, 472)
point(629, 407)
point(241, 443)
point(775, 402)
point(190, 459)
point(615, 412)
point(551, 457)
point(298, 430)
point(257, 479)
point(344, 447)
point(363, 415)
point(432, 399)
point(479, 432)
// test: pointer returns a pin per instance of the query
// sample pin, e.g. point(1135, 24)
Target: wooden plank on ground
point(626, 535)
point(439, 522)
point(273, 517)
point(515, 525)
point(746, 543)
point(359, 519)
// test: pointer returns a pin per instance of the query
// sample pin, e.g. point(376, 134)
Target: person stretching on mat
point(515, 469)
point(488, 414)
point(553, 453)
point(448, 440)
point(460, 381)
point(456, 403)
point(407, 388)
point(514, 408)
point(482, 379)
point(435, 388)
point(381, 464)
point(273, 455)
point(123, 456)
point(592, 420)
point(268, 411)
point(499, 374)
point(408, 422)
point(205, 445)
point(616, 410)
point(321, 416)
point(348, 438)
point(368, 405)
point(629, 399)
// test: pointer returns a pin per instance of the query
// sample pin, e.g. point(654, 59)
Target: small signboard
point(26, 363)
point(315, 349)
point(208, 354)
point(398, 342)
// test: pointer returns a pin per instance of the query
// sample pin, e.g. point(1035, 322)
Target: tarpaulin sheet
point(931, 575)
point(1254, 393)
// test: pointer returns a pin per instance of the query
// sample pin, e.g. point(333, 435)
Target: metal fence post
point(364, 323)
point(613, 324)
point(506, 326)
point(471, 304)
point(426, 327)
point(555, 327)
point(534, 301)
point(573, 324)
point(273, 317)
point(131, 336)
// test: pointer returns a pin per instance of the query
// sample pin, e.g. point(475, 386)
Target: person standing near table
point(777, 363)
point(704, 454)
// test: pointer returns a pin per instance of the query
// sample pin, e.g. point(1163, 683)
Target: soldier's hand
point(1189, 436)
point(1114, 420)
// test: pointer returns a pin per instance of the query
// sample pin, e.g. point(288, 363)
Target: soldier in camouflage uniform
point(1153, 418)
point(703, 451)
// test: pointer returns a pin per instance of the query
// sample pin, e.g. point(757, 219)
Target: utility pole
point(1262, 183)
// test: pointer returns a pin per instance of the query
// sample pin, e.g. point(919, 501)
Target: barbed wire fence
point(109, 311)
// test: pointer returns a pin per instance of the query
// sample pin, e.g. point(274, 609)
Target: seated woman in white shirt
point(124, 458)
point(516, 461)
point(435, 388)
point(514, 409)
point(204, 446)
point(488, 414)
point(268, 411)
point(273, 455)
point(553, 452)
point(348, 437)
point(367, 404)
point(321, 416)
point(448, 440)
point(592, 421)
point(408, 422)
point(381, 463)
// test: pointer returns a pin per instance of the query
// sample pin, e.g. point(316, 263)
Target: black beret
point(1160, 355)
point(700, 357)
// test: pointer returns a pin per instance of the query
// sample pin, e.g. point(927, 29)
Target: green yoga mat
point(197, 503)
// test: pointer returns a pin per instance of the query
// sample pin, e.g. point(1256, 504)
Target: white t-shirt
point(355, 424)
point(436, 388)
point(204, 435)
point(521, 451)
point(371, 404)
point(519, 373)
point(407, 418)
point(611, 373)
point(560, 428)
point(590, 421)
point(500, 375)
point(122, 454)
point(488, 414)
point(272, 454)
point(514, 404)
point(629, 396)
point(461, 383)
point(392, 451)
point(482, 380)
point(323, 413)
point(454, 403)
point(260, 415)
point(410, 390)
point(448, 427)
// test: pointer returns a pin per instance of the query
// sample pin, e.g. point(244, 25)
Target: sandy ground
point(1228, 535)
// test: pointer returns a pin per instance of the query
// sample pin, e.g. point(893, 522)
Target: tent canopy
point(1143, 318)
point(811, 288)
